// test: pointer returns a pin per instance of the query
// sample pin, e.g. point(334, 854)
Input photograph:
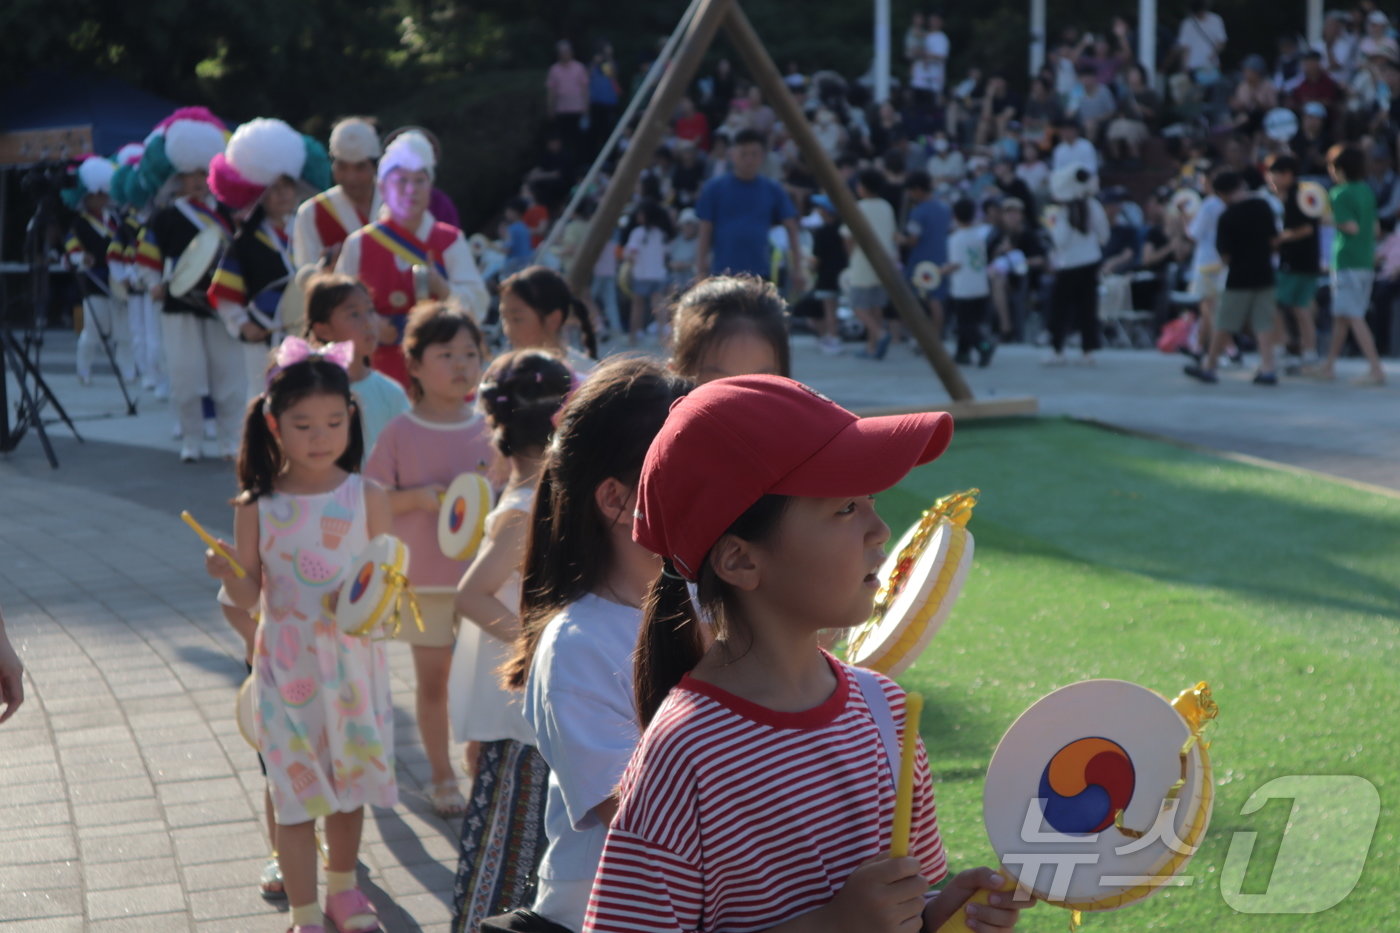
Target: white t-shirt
point(481, 709)
point(1080, 152)
point(647, 246)
point(967, 246)
point(579, 702)
point(936, 44)
point(1035, 174)
point(1202, 231)
point(946, 166)
point(881, 216)
point(1198, 37)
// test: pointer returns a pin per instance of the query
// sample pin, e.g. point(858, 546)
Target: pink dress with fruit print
point(323, 719)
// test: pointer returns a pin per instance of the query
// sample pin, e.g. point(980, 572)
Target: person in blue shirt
point(926, 235)
point(736, 212)
point(517, 238)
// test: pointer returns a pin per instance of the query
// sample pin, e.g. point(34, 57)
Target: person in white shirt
point(1078, 230)
point(646, 251)
point(1339, 46)
point(1208, 273)
point(946, 166)
point(936, 50)
point(1073, 149)
point(968, 285)
point(1200, 39)
point(324, 221)
point(867, 292)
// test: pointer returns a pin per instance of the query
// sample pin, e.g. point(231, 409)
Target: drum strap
point(879, 706)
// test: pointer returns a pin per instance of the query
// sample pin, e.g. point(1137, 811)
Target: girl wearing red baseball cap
point(759, 794)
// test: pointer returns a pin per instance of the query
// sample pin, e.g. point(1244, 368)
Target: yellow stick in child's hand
point(213, 544)
point(904, 796)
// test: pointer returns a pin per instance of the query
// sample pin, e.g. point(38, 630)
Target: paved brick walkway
point(128, 800)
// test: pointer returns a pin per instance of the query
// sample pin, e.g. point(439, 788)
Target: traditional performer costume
point(383, 254)
point(89, 241)
point(132, 199)
point(200, 357)
point(324, 221)
point(258, 266)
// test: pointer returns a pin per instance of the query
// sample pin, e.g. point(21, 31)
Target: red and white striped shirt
point(735, 817)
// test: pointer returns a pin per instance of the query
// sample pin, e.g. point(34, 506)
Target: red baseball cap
point(732, 441)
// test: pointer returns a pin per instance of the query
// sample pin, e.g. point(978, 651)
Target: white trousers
point(202, 358)
point(103, 315)
point(144, 318)
point(255, 361)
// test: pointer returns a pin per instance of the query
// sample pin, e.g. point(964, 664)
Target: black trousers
point(971, 317)
point(1074, 305)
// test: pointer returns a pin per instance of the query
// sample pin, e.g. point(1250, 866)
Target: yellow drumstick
point(904, 796)
point(213, 544)
point(958, 922)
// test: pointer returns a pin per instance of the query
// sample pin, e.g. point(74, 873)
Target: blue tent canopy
point(117, 112)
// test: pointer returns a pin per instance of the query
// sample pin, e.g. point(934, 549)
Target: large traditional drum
point(919, 583)
point(462, 516)
point(1100, 793)
point(377, 584)
point(195, 264)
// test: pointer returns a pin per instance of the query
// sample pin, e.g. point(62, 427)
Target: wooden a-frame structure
point(708, 17)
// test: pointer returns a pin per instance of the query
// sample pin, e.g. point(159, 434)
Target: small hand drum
point(1184, 204)
point(1100, 793)
point(243, 709)
point(370, 595)
point(1313, 200)
point(462, 516)
point(927, 276)
point(919, 582)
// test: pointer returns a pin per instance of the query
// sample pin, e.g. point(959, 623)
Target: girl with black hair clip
point(503, 836)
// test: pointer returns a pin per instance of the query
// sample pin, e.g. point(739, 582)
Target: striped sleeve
point(642, 888)
point(148, 253)
point(73, 249)
point(228, 281)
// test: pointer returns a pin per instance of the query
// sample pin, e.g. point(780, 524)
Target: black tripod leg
point(106, 337)
point(41, 388)
point(29, 407)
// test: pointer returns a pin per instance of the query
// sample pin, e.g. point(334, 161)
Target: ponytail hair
point(544, 291)
point(521, 393)
point(670, 643)
point(260, 459)
point(604, 431)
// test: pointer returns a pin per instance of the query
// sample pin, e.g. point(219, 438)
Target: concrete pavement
point(128, 800)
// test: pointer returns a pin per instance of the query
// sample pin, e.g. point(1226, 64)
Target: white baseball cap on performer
point(410, 151)
point(354, 139)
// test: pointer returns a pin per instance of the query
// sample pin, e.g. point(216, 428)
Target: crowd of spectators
point(992, 140)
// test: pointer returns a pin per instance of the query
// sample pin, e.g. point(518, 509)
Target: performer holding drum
point(324, 221)
point(185, 235)
point(417, 456)
point(254, 289)
point(757, 490)
point(322, 716)
point(409, 256)
point(94, 230)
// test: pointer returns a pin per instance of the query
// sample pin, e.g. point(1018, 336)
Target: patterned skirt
point(503, 837)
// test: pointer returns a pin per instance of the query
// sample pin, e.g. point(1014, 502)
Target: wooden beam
point(654, 124)
point(911, 312)
point(1019, 406)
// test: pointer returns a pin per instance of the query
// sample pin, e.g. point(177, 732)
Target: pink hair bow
point(295, 350)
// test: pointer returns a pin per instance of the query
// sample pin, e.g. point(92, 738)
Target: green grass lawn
point(1102, 555)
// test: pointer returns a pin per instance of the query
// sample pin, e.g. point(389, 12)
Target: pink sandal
point(340, 908)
